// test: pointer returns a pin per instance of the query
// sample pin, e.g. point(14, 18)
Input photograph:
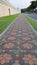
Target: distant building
point(7, 9)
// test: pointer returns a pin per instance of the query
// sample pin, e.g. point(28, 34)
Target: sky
point(20, 3)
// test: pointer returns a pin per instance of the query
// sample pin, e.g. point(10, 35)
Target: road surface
point(33, 16)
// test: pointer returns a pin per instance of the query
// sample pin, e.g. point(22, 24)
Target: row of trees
point(32, 7)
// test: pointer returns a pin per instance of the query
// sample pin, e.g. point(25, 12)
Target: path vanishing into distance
point(18, 45)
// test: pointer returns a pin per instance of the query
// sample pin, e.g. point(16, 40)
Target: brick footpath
point(18, 45)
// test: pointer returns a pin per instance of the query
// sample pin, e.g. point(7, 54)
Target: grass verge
point(32, 22)
point(5, 21)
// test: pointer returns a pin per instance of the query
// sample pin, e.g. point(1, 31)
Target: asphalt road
point(33, 16)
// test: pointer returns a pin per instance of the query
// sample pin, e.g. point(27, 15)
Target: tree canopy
point(32, 6)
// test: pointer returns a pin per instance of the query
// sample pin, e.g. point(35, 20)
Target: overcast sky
point(20, 3)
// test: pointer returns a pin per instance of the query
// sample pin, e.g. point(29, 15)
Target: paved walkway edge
point(31, 27)
point(8, 27)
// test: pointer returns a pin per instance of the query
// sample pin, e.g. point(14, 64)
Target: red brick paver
point(18, 45)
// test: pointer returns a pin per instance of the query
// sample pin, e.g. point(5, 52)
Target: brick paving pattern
point(18, 45)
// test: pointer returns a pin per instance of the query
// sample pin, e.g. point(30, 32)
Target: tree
point(31, 7)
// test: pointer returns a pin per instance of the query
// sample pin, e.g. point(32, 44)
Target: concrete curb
point(8, 27)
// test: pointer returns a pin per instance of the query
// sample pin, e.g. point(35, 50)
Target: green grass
point(32, 22)
point(5, 21)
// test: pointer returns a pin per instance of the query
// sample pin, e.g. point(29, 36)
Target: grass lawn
point(5, 21)
point(32, 22)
